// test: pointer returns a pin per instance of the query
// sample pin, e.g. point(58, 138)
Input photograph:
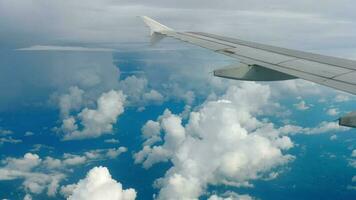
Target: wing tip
point(155, 27)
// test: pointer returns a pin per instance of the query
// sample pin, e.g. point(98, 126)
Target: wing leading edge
point(268, 63)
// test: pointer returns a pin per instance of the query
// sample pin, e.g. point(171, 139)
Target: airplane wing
point(259, 62)
point(265, 62)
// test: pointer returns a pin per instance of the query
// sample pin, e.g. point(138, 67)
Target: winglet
point(155, 27)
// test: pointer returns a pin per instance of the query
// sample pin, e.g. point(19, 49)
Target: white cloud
point(230, 196)
point(61, 48)
point(95, 122)
point(4, 132)
point(302, 105)
point(5, 138)
point(153, 96)
point(138, 92)
point(325, 127)
point(71, 101)
point(29, 133)
point(222, 143)
point(26, 163)
point(9, 140)
point(322, 127)
point(333, 111)
point(352, 160)
point(151, 132)
point(27, 197)
point(112, 141)
point(333, 137)
point(97, 185)
point(70, 159)
point(26, 168)
point(41, 175)
point(342, 98)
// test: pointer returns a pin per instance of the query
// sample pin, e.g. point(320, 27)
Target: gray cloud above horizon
point(326, 27)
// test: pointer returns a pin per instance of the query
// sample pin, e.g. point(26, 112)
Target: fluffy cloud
point(70, 101)
point(45, 174)
point(333, 137)
point(342, 98)
point(352, 163)
point(97, 185)
point(95, 122)
point(4, 132)
point(29, 133)
point(222, 143)
point(302, 105)
point(322, 127)
point(332, 111)
point(9, 140)
point(71, 21)
point(27, 197)
point(230, 196)
point(138, 92)
point(326, 127)
point(26, 168)
point(112, 140)
point(5, 138)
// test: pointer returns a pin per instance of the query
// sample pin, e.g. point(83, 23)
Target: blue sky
point(144, 122)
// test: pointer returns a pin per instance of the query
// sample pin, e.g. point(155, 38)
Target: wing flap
point(251, 73)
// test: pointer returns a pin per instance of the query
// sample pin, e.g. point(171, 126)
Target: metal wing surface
point(274, 63)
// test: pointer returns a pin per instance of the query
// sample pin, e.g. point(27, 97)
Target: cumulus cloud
point(322, 127)
point(138, 92)
point(26, 168)
point(9, 140)
point(333, 137)
point(29, 133)
point(71, 101)
point(45, 174)
point(95, 122)
point(4, 132)
point(215, 146)
point(352, 163)
point(333, 111)
point(97, 185)
point(230, 196)
point(27, 197)
point(112, 140)
point(302, 105)
point(110, 16)
point(342, 98)
point(5, 138)
point(326, 127)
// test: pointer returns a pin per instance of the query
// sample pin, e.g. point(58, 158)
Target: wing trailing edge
point(251, 73)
